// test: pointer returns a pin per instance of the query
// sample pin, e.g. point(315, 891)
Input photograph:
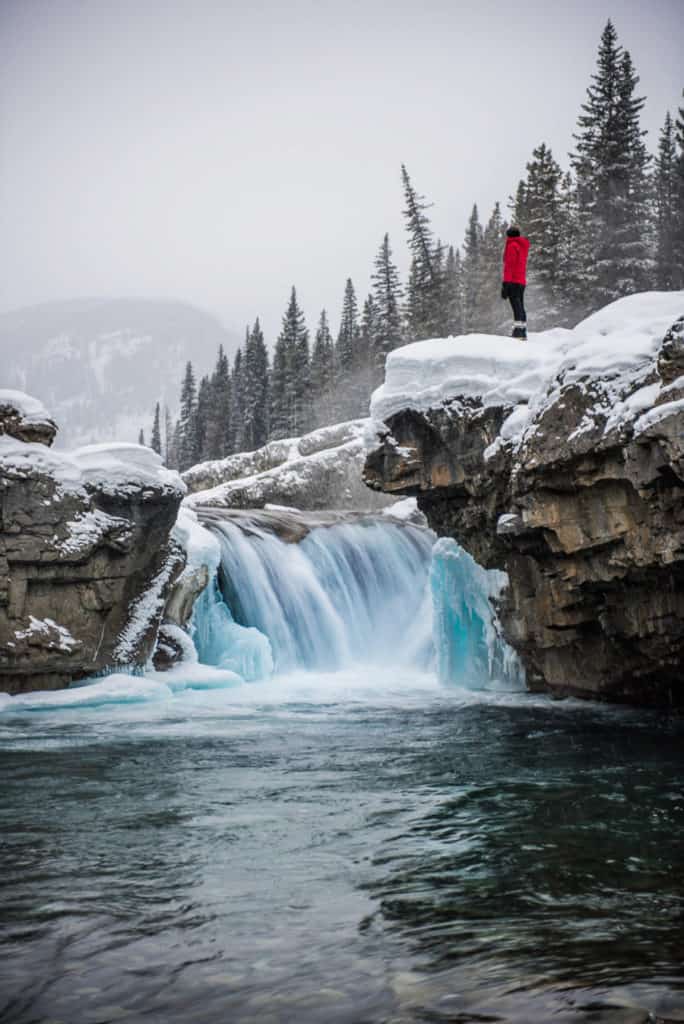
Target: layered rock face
point(86, 556)
point(562, 463)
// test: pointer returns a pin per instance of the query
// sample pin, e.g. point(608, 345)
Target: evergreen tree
point(347, 349)
point(425, 300)
point(473, 271)
point(290, 387)
point(237, 408)
point(156, 431)
point(187, 423)
point(322, 372)
point(610, 163)
point(666, 207)
point(539, 215)
point(492, 317)
point(364, 378)
point(218, 438)
point(256, 389)
point(141, 437)
point(387, 297)
point(678, 241)
point(202, 414)
point(455, 293)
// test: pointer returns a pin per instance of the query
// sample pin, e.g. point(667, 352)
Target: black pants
point(516, 293)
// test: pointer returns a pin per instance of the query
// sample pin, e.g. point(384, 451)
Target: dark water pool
point(393, 857)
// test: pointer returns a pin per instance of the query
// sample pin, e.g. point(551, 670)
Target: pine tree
point(455, 293)
point(366, 358)
point(425, 300)
point(678, 242)
point(187, 423)
point(290, 388)
point(256, 389)
point(539, 215)
point(202, 414)
point(346, 355)
point(610, 164)
point(666, 211)
point(387, 296)
point(156, 432)
point(141, 437)
point(218, 439)
point(473, 271)
point(322, 373)
point(237, 408)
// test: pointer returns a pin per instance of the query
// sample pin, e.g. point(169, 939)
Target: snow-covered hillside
point(101, 364)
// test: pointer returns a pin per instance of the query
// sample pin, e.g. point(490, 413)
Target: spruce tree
point(322, 373)
point(290, 388)
point(678, 240)
point(455, 293)
point(425, 300)
point(666, 206)
point(387, 296)
point(237, 407)
point(202, 414)
point(346, 355)
point(610, 164)
point(366, 359)
point(256, 389)
point(473, 271)
point(539, 215)
point(218, 436)
point(141, 437)
point(187, 423)
point(156, 444)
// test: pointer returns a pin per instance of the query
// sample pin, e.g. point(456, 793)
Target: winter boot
point(519, 329)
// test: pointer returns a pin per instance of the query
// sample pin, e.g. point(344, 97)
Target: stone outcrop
point(583, 508)
point(86, 556)
point(320, 470)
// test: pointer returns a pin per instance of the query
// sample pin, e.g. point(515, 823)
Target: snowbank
point(30, 409)
point(614, 343)
point(112, 468)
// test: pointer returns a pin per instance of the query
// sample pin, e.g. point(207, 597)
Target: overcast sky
point(218, 152)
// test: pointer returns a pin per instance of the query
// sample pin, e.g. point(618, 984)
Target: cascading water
point(364, 592)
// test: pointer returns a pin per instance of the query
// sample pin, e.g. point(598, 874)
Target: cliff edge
point(561, 461)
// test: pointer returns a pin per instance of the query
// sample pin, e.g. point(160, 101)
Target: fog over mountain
point(99, 365)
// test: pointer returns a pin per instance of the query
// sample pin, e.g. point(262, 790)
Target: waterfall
point(365, 591)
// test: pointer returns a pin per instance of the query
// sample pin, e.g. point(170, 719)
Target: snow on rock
point(29, 408)
point(86, 554)
point(114, 469)
point(320, 470)
point(609, 349)
point(25, 418)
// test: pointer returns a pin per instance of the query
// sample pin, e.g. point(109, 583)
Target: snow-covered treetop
point(616, 341)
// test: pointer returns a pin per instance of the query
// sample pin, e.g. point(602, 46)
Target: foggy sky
point(218, 152)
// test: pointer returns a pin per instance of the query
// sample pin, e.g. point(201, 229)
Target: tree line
point(609, 225)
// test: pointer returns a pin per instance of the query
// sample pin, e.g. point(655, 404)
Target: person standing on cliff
point(515, 278)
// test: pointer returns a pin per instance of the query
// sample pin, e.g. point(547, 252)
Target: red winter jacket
point(515, 260)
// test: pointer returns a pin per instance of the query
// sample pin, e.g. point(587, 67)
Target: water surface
point(344, 849)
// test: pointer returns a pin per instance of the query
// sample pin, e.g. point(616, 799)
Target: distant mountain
point(99, 365)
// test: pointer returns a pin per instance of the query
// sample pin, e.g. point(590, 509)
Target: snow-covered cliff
point(561, 460)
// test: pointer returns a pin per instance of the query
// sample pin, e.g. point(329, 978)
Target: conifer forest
point(609, 223)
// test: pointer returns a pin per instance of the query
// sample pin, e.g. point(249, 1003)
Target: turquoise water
point(351, 848)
